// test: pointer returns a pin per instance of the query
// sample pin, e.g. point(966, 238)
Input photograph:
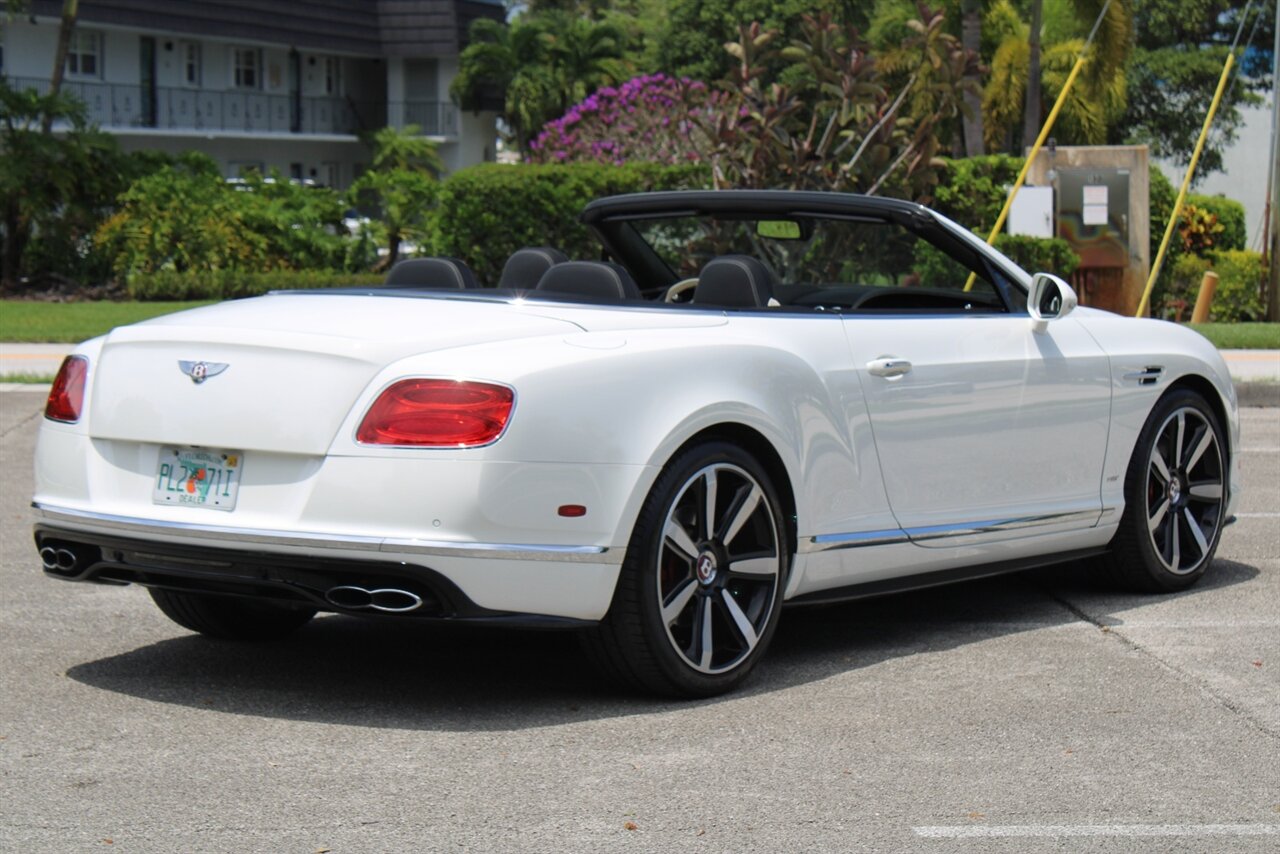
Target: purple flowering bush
point(654, 118)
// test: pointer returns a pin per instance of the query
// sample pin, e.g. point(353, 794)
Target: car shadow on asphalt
point(405, 675)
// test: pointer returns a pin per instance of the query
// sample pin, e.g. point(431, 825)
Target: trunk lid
point(294, 364)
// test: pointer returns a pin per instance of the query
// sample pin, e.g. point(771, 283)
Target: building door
point(147, 81)
point(295, 91)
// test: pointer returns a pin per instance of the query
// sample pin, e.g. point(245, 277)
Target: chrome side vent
point(1150, 375)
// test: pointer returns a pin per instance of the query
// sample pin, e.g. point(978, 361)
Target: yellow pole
point(1035, 149)
point(1145, 304)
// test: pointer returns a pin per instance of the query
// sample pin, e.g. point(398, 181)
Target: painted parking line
point(1057, 831)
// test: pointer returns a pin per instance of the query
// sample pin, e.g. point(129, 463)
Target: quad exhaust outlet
point(390, 600)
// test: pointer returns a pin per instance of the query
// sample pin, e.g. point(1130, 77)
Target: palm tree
point(971, 39)
point(510, 62)
point(1098, 97)
point(542, 64)
point(584, 55)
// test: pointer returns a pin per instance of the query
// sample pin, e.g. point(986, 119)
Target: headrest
point(734, 281)
point(525, 267)
point(442, 273)
point(598, 279)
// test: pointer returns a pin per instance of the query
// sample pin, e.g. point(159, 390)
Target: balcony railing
point(116, 106)
point(436, 118)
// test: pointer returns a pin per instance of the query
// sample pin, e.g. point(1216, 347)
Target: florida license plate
point(198, 477)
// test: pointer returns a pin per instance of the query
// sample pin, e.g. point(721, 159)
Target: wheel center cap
point(1175, 489)
point(706, 568)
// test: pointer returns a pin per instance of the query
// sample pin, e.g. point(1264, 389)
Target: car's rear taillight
point(66, 398)
point(437, 413)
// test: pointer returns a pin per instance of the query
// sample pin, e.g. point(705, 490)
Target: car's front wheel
point(1175, 498)
point(230, 617)
point(700, 591)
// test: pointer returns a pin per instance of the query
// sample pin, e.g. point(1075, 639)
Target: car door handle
point(888, 367)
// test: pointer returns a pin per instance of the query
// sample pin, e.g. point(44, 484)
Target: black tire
point(1175, 493)
point(231, 617)
point(720, 585)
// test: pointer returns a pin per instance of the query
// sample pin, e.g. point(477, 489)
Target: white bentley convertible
point(761, 399)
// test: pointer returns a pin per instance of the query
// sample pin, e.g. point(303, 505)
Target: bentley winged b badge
point(201, 371)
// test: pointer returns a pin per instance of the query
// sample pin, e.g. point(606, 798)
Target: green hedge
point(231, 284)
point(1039, 254)
point(488, 211)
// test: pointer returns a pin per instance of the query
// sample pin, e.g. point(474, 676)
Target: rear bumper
point(534, 584)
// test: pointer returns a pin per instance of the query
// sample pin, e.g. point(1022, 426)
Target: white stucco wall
point(1244, 174)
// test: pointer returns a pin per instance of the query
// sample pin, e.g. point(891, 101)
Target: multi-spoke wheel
point(1175, 495)
point(701, 587)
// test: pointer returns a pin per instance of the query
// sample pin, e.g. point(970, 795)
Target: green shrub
point(1183, 276)
point(1039, 255)
point(1241, 277)
point(232, 284)
point(488, 211)
point(972, 190)
point(1229, 215)
point(186, 217)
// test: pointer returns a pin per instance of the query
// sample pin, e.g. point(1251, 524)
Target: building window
point(246, 64)
point(333, 76)
point(189, 52)
point(84, 54)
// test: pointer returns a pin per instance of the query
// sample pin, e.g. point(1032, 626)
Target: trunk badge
point(201, 371)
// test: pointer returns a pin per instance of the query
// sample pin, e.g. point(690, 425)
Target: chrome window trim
point(132, 526)
point(859, 539)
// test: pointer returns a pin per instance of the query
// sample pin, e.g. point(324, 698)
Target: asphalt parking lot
point(1036, 712)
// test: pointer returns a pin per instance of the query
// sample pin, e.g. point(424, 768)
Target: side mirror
point(1050, 299)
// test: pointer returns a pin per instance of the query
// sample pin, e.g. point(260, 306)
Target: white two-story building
point(288, 84)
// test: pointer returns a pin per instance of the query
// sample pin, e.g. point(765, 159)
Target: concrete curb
point(1258, 394)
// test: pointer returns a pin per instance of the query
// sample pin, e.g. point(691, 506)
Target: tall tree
point(584, 55)
point(1180, 48)
point(541, 63)
point(67, 26)
point(1031, 113)
point(1096, 100)
point(971, 39)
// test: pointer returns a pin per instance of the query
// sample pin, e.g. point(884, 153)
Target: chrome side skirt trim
point(987, 526)
point(831, 542)
point(130, 526)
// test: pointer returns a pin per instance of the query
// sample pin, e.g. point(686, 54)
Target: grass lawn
point(1241, 336)
point(27, 378)
point(73, 322)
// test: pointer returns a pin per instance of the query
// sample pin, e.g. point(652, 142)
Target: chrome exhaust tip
point(390, 600)
point(394, 601)
point(58, 560)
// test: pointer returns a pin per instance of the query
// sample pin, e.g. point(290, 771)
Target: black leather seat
point(433, 273)
point(734, 281)
point(525, 268)
point(599, 280)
